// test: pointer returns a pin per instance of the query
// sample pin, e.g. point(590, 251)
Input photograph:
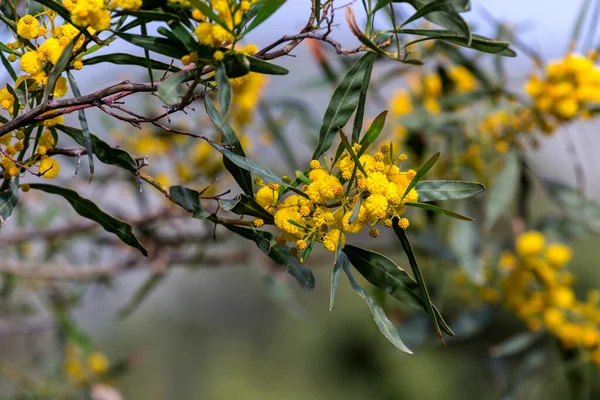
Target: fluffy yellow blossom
point(30, 63)
point(98, 363)
point(49, 168)
point(129, 5)
point(530, 244)
point(332, 238)
point(401, 103)
point(558, 255)
point(27, 27)
point(463, 80)
point(93, 13)
point(7, 100)
point(61, 87)
point(204, 33)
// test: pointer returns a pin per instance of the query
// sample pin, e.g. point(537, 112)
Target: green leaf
point(266, 8)
point(389, 277)
point(372, 133)
point(341, 262)
point(6, 49)
point(280, 254)
point(417, 273)
point(421, 173)
point(88, 209)
point(444, 13)
point(478, 42)
point(128, 59)
point(245, 205)
point(184, 36)
point(447, 190)
point(343, 103)
point(464, 240)
point(84, 124)
point(440, 210)
point(503, 189)
point(8, 202)
point(59, 67)
point(236, 65)
point(189, 200)
point(102, 150)
point(148, 16)
point(230, 139)
point(168, 91)
point(383, 323)
point(224, 88)
point(9, 68)
point(262, 67)
point(167, 47)
point(357, 126)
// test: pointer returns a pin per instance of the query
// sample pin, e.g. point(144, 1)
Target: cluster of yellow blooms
point(48, 167)
point(211, 33)
point(95, 13)
point(427, 90)
point(337, 203)
point(567, 87)
point(536, 287)
point(80, 368)
point(540, 292)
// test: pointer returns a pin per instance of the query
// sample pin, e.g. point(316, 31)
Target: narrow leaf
point(158, 45)
point(88, 209)
point(343, 103)
point(440, 210)
point(262, 67)
point(372, 133)
point(447, 190)
point(244, 205)
point(266, 9)
point(224, 88)
point(8, 202)
point(189, 200)
point(421, 173)
point(383, 323)
point(84, 125)
point(59, 67)
point(230, 139)
point(128, 59)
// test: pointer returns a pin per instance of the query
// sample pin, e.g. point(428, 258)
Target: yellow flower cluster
point(230, 12)
point(539, 291)
point(247, 92)
point(48, 167)
point(341, 199)
point(504, 126)
point(567, 87)
point(81, 368)
point(427, 90)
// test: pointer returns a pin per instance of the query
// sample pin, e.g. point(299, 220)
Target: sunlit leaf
point(447, 190)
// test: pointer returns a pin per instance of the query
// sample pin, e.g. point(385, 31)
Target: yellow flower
point(204, 33)
point(27, 27)
point(30, 63)
point(61, 87)
point(332, 238)
point(7, 100)
point(98, 363)
point(401, 103)
point(558, 255)
point(49, 168)
point(530, 243)
point(129, 5)
point(463, 79)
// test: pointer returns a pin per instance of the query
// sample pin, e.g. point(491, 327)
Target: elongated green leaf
point(184, 36)
point(343, 103)
point(445, 19)
point(88, 209)
point(149, 16)
point(353, 155)
point(9, 68)
point(340, 262)
point(280, 254)
point(128, 59)
point(6, 49)
point(8, 202)
point(464, 240)
point(224, 88)
point(167, 47)
point(383, 323)
point(389, 277)
point(262, 67)
point(447, 190)
point(102, 150)
point(168, 91)
point(372, 133)
point(503, 189)
point(444, 13)
point(417, 273)
point(59, 67)
point(266, 9)
point(244, 205)
point(478, 42)
point(230, 139)
point(84, 124)
point(206, 10)
point(440, 210)
point(421, 173)
point(189, 200)
point(359, 116)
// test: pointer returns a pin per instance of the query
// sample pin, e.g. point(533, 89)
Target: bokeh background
point(233, 333)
